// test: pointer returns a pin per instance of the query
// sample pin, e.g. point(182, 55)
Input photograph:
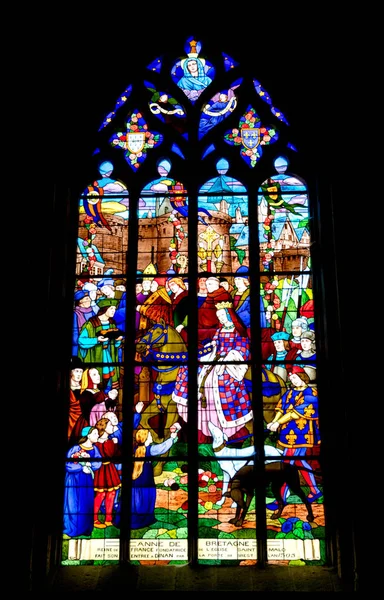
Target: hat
point(161, 280)
point(89, 286)
point(76, 363)
point(79, 295)
point(280, 335)
point(300, 322)
point(150, 269)
point(85, 431)
point(120, 282)
point(310, 335)
point(242, 272)
point(295, 369)
point(107, 302)
point(107, 279)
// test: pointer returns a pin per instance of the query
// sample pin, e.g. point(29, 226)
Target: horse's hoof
point(310, 517)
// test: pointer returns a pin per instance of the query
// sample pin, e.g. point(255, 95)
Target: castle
point(222, 243)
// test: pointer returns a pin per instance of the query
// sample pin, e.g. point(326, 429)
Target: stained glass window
point(193, 429)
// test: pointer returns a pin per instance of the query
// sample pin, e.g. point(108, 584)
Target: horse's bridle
point(161, 356)
point(149, 342)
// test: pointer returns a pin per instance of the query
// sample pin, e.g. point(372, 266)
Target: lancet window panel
point(193, 372)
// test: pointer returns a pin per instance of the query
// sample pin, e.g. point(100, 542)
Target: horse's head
point(164, 338)
point(155, 338)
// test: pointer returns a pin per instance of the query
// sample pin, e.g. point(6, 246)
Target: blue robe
point(243, 308)
point(120, 314)
point(144, 489)
point(209, 121)
point(193, 86)
point(79, 494)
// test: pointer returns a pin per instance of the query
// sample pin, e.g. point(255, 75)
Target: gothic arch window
point(193, 431)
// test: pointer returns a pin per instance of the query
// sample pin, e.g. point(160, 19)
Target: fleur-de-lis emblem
point(251, 135)
point(291, 437)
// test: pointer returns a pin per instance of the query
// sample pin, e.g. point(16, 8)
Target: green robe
point(93, 351)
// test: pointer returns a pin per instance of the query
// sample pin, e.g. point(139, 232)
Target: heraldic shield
point(250, 137)
point(135, 141)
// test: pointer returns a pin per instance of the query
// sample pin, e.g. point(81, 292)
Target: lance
point(303, 280)
point(287, 293)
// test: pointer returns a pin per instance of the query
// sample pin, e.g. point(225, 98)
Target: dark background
point(77, 70)
point(306, 71)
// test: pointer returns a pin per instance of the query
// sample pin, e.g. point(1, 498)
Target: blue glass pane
point(229, 63)
point(121, 100)
point(155, 65)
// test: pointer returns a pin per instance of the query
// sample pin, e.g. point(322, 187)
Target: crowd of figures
point(93, 469)
point(227, 386)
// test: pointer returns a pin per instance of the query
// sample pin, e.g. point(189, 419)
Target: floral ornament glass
point(251, 136)
point(137, 140)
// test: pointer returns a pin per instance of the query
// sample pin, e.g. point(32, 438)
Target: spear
point(303, 280)
point(285, 296)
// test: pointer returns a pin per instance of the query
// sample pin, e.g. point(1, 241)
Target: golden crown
point(224, 305)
